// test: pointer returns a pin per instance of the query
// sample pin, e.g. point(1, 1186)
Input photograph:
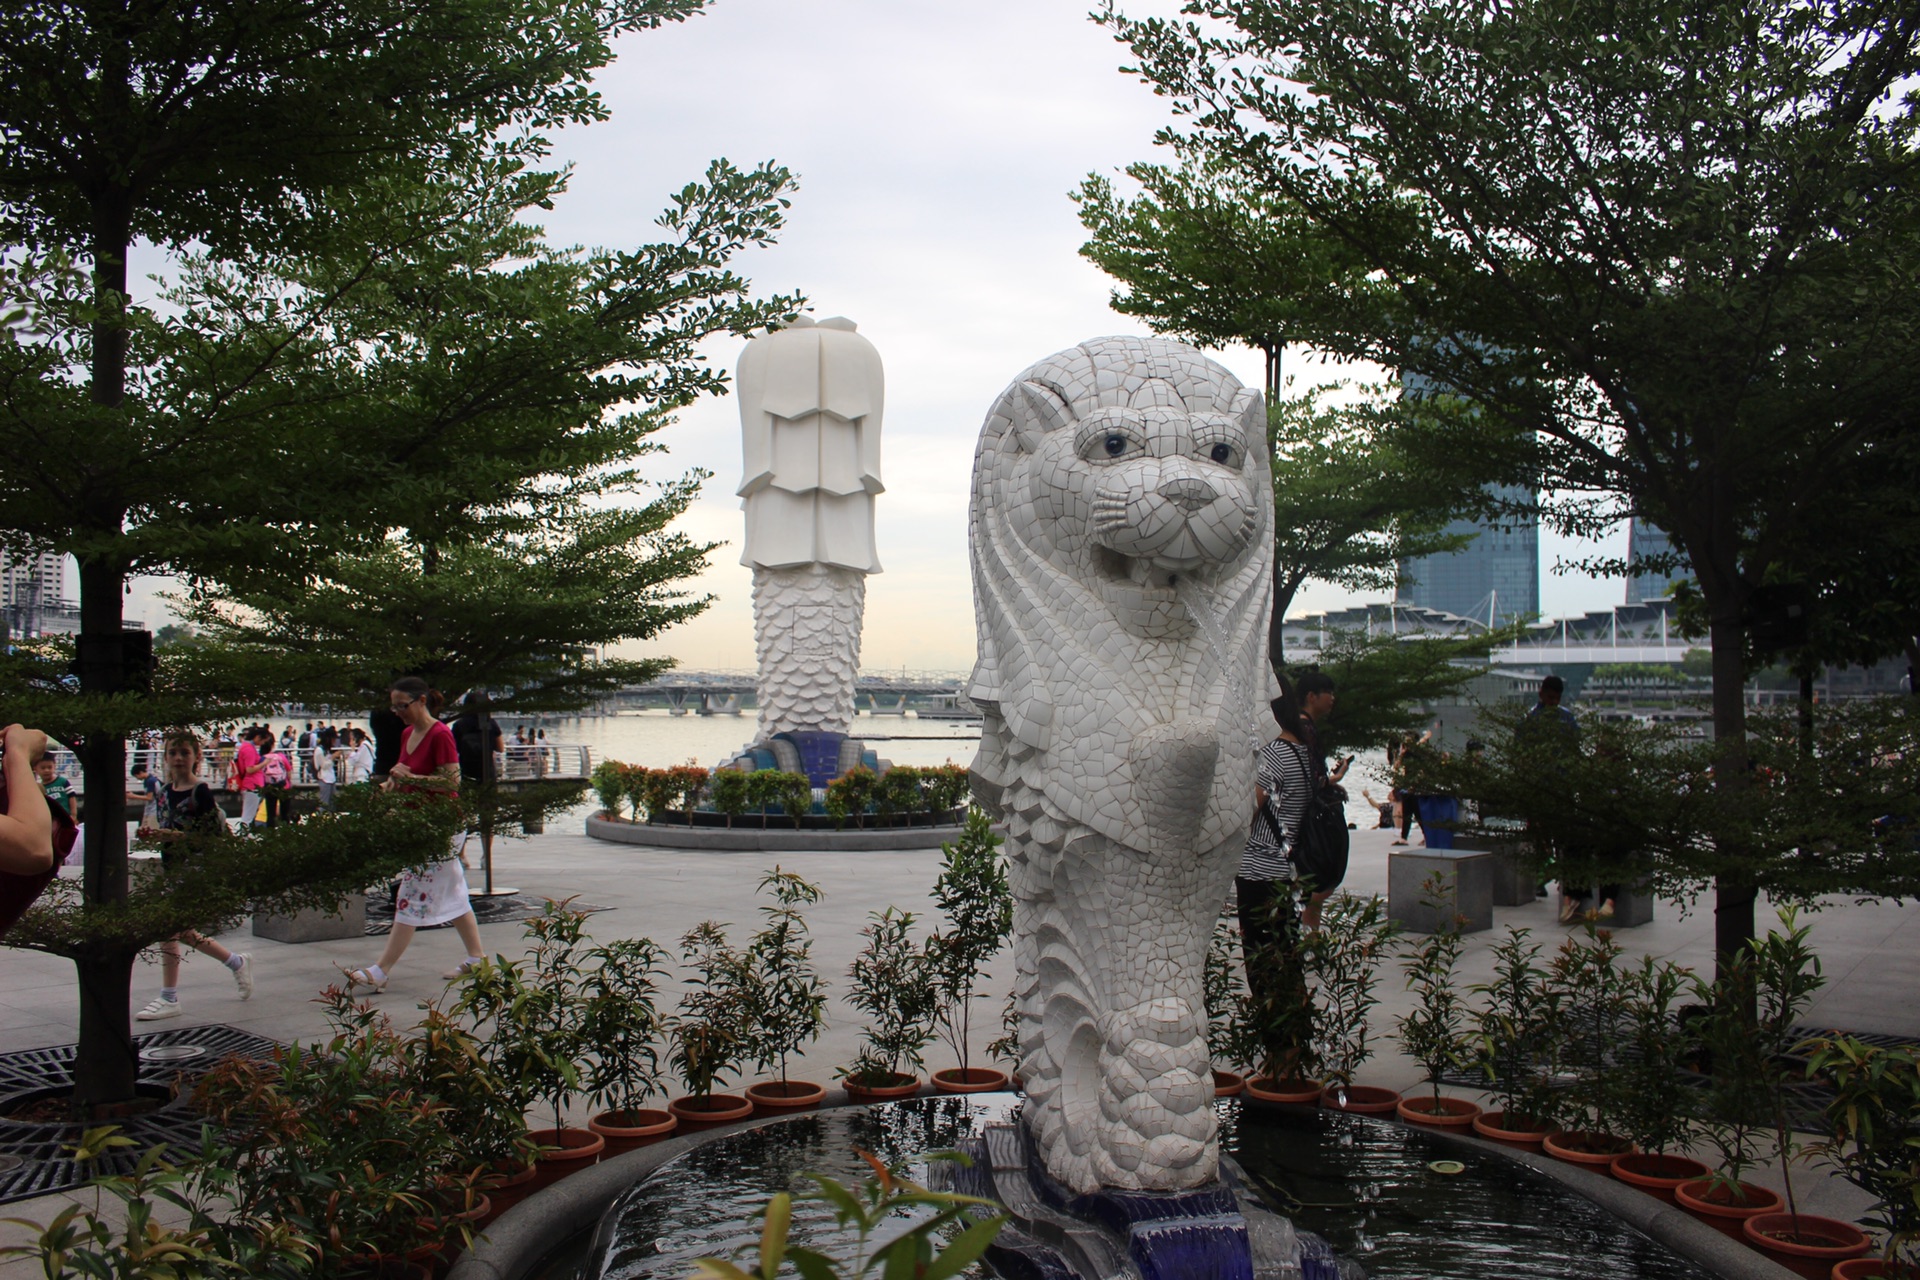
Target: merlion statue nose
point(1188, 493)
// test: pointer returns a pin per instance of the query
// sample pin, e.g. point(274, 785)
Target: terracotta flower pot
point(1720, 1209)
point(506, 1189)
point(1360, 1099)
point(1656, 1174)
point(1584, 1147)
point(1874, 1269)
point(1805, 1244)
point(627, 1131)
point(695, 1114)
point(901, 1085)
point(564, 1151)
point(782, 1098)
point(970, 1080)
point(1453, 1113)
point(1226, 1084)
point(1297, 1093)
point(1492, 1124)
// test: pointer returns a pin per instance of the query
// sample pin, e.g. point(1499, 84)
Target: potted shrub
point(335, 1143)
point(621, 1027)
point(972, 891)
point(897, 792)
point(947, 788)
point(1231, 1034)
point(1433, 1032)
point(795, 797)
point(1006, 1049)
point(493, 1154)
point(528, 1015)
point(1344, 963)
point(1512, 1035)
point(1873, 1141)
point(732, 793)
point(1746, 1033)
point(706, 1031)
point(1656, 1116)
point(894, 986)
point(1280, 1017)
point(1589, 1003)
point(785, 997)
point(684, 784)
point(658, 789)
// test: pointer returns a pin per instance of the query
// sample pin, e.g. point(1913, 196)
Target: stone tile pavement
point(1871, 955)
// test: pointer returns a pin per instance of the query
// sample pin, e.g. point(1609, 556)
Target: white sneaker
point(243, 976)
point(157, 1008)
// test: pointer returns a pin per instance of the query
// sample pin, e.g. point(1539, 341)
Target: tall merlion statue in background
point(1122, 546)
point(810, 403)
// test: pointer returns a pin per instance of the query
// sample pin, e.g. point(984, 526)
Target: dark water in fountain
point(1362, 1184)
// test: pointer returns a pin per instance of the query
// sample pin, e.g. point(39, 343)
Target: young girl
point(429, 765)
point(184, 807)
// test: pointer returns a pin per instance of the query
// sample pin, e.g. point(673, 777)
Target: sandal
point(364, 978)
point(461, 970)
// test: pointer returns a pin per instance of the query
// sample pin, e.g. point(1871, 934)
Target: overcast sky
point(935, 145)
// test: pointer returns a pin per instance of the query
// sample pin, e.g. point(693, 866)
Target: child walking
point(184, 806)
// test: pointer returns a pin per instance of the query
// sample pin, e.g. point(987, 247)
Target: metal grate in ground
point(37, 1159)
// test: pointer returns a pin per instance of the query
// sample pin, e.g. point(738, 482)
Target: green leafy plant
point(529, 1013)
point(620, 1024)
point(1006, 1049)
point(1433, 1031)
point(443, 1060)
point(1280, 1013)
point(947, 787)
point(899, 791)
point(707, 1032)
point(784, 996)
point(335, 1140)
point(849, 795)
point(684, 785)
point(921, 1252)
point(1747, 1033)
point(1343, 961)
point(1873, 1133)
point(1649, 1111)
point(1512, 1033)
point(894, 986)
point(1589, 1001)
point(610, 786)
point(1233, 1040)
point(972, 892)
point(732, 792)
point(795, 796)
point(657, 789)
point(163, 1227)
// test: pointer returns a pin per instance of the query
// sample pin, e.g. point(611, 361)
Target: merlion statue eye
point(1221, 453)
point(1116, 444)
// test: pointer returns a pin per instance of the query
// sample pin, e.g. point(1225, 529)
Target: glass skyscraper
point(1495, 577)
point(1644, 539)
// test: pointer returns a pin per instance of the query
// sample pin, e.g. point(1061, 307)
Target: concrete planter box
point(1465, 890)
point(314, 925)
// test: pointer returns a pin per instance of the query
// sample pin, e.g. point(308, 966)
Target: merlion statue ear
point(1037, 410)
point(1253, 415)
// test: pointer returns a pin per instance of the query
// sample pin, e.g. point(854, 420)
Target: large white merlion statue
point(810, 403)
point(1122, 535)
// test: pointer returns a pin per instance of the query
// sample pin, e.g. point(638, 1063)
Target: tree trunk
point(1734, 895)
point(104, 1063)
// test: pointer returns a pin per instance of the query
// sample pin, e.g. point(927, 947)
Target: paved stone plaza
point(1871, 956)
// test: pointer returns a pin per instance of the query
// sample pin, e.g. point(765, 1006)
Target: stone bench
point(1513, 878)
point(1467, 888)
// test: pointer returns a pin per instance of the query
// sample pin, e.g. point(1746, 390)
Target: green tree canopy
point(1666, 249)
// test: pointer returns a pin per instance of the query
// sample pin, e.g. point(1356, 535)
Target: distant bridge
point(725, 692)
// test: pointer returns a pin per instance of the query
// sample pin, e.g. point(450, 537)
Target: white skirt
point(434, 895)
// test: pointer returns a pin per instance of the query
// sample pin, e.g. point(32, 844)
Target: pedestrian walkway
point(1870, 954)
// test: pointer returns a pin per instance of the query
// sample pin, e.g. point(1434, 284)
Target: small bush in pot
point(443, 1060)
point(706, 1030)
point(1873, 1136)
point(972, 892)
point(1651, 1111)
point(784, 996)
point(1233, 1039)
point(898, 792)
point(610, 786)
point(892, 984)
point(947, 787)
point(1433, 1032)
point(849, 795)
point(1280, 1016)
point(1588, 1007)
point(1513, 1035)
point(1343, 962)
point(620, 1026)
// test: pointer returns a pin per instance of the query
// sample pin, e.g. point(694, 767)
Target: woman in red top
point(429, 765)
